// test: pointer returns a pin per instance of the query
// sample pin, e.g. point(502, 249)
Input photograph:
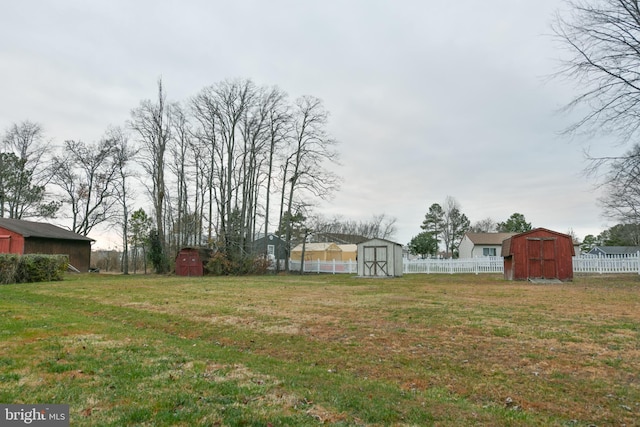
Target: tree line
point(235, 161)
point(447, 224)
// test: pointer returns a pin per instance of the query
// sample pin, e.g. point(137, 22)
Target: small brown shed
point(538, 254)
point(192, 261)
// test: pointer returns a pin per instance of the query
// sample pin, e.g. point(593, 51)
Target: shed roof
point(40, 229)
point(489, 238)
point(376, 239)
point(506, 244)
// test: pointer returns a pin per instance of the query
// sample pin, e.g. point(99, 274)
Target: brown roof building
point(27, 237)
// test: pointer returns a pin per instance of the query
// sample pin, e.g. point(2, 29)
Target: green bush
point(32, 268)
point(8, 268)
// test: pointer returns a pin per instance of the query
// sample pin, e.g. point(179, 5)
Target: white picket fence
point(629, 263)
point(581, 264)
point(333, 267)
point(451, 266)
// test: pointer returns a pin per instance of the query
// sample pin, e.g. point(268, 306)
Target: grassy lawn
point(446, 350)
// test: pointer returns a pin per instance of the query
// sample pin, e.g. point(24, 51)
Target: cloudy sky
point(428, 99)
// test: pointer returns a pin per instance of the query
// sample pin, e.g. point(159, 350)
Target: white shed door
point(375, 261)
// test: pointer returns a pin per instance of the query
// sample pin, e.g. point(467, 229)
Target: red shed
point(27, 237)
point(538, 254)
point(191, 261)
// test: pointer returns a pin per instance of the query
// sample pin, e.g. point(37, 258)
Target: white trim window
point(488, 251)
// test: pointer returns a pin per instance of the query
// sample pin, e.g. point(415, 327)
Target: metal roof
point(40, 229)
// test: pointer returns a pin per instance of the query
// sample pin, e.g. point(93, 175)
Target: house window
point(271, 250)
point(488, 251)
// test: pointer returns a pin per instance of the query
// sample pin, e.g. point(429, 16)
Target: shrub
point(8, 268)
point(219, 265)
point(261, 265)
point(32, 268)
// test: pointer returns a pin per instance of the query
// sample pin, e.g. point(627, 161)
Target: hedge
point(32, 268)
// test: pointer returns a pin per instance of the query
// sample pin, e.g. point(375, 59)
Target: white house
point(474, 245)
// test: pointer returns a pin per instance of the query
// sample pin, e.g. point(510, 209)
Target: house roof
point(488, 238)
point(615, 250)
point(40, 229)
point(348, 248)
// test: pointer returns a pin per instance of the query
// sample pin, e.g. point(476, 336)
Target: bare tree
point(455, 225)
point(184, 229)
point(278, 129)
point(123, 155)
point(379, 226)
point(621, 200)
point(487, 225)
point(24, 172)
point(603, 39)
point(151, 121)
point(311, 148)
point(204, 110)
point(86, 174)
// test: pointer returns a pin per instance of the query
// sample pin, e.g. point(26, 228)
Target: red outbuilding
point(27, 237)
point(538, 254)
point(192, 261)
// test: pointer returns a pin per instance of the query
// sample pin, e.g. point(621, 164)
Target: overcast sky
point(428, 99)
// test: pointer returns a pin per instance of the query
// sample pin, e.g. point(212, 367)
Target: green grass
point(447, 350)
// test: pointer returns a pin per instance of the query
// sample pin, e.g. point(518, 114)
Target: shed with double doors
point(192, 261)
point(538, 254)
point(379, 258)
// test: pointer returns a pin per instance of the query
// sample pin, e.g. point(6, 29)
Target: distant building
point(317, 251)
point(349, 252)
point(27, 237)
point(613, 251)
point(474, 245)
point(272, 245)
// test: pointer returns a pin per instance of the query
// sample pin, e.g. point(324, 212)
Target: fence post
point(334, 266)
point(599, 264)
